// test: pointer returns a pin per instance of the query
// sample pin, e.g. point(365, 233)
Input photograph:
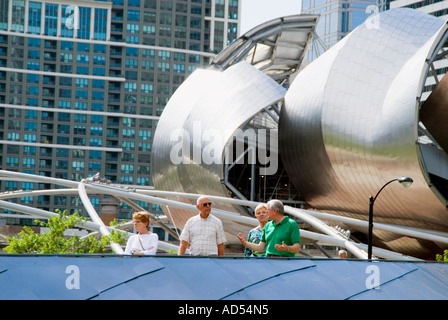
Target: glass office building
point(337, 19)
point(83, 83)
point(437, 8)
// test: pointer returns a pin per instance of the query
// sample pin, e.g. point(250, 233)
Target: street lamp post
point(405, 182)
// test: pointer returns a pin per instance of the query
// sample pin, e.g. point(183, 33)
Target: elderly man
point(281, 235)
point(204, 232)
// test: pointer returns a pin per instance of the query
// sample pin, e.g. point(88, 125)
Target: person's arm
point(128, 246)
point(183, 247)
point(221, 249)
point(260, 247)
point(153, 243)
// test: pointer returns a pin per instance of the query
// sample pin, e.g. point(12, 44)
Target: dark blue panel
point(426, 281)
point(261, 271)
point(30, 277)
point(192, 278)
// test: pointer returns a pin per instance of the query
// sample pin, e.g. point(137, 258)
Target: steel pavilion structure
point(246, 87)
point(334, 162)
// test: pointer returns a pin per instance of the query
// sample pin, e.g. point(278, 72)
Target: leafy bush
point(443, 257)
point(54, 241)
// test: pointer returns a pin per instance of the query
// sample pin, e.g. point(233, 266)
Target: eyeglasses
point(205, 204)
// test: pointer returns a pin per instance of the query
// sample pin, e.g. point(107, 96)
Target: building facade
point(83, 83)
point(337, 19)
point(437, 8)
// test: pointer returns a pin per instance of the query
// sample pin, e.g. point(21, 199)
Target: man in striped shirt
point(203, 233)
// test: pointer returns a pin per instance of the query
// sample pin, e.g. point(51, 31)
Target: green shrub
point(54, 241)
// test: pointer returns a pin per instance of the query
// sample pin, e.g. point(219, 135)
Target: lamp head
point(405, 181)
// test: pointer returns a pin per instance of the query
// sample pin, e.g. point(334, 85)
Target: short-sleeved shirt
point(203, 235)
point(254, 237)
point(286, 230)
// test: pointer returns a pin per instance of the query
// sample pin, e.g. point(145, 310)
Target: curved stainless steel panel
point(349, 124)
point(200, 119)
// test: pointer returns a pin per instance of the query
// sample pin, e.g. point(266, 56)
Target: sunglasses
point(205, 204)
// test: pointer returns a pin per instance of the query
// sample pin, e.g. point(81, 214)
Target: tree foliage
point(55, 242)
point(444, 257)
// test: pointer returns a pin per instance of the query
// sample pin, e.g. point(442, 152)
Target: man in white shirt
point(204, 232)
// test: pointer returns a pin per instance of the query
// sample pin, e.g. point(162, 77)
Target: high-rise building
point(438, 8)
point(337, 19)
point(82, 84)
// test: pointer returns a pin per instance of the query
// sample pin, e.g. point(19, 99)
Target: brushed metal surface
point(214, 103)
point(349, 123)
point(355, 125)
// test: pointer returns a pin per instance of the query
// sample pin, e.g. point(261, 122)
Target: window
point(148, 65)
point(31, 114)
point(163, 66)
point(13, 136)
point(128, 145)
point(133, 28)
point(100, 24)
point(82, 83)
point(78, 165)
point(51, 19)
point(94, 155)
point(144, 146)
point(30, 151)
point(28, 137)
point(133, 15)
point(82, 58)
point(31, 126)
point(84, 23)
point(18, 16)
point(179, 68)
point(29, 162)
point(95, 142)
point(130, 87)
point(127, 168)
point(12, 162)
point(10, 185)
point(96, 131)
point(80, 118)
point(144, 134)
point(164, 55)
point(129, 133)
point(146, 88)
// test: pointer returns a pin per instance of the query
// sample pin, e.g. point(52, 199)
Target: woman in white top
point(144, 242)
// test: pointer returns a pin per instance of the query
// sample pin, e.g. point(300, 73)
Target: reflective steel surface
point(238, 89)
point(370, 109)
point(199, 120)
point(350, 124)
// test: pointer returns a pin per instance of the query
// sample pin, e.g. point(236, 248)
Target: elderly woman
point(255, 234)
point(144, 242)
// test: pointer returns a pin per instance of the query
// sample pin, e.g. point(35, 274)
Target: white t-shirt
point(149, 242)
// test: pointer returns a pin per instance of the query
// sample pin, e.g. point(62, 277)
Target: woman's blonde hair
point(142, 216)
point(261, 206)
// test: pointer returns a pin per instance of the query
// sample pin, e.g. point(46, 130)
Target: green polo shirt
point(286, 230)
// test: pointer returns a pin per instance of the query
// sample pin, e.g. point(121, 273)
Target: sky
point(255, 12)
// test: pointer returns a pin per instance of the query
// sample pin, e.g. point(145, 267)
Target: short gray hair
point(276, 205)
point(200, 198)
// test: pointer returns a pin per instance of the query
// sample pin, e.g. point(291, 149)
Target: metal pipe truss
point(330, 235)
